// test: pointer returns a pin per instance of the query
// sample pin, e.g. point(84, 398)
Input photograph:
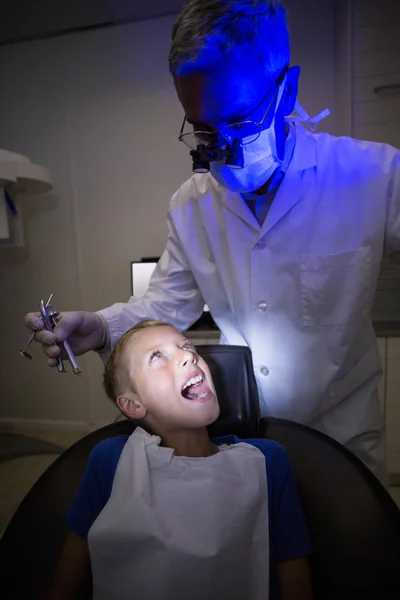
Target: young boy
point(172, 514)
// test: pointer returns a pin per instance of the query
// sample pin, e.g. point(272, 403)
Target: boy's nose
point(187, 358)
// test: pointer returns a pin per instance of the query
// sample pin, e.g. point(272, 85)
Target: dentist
point(280, 231)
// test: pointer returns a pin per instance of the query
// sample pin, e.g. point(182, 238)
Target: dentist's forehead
point(222, 93)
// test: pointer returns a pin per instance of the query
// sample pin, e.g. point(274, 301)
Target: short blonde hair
point(116, 376)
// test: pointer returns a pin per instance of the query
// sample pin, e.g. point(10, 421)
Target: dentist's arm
point(392, 233)
point(173, 296)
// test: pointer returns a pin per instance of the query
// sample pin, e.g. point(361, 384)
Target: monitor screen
point(141, 274)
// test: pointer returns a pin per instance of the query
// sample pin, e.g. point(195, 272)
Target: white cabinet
point(375, 53)
point(393, 404)
point(382, 345)
point(389, 396)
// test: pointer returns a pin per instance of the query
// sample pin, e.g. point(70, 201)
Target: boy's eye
point(188, 346)
point(155, 355)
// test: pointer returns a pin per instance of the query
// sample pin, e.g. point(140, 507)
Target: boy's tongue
point(194, 391)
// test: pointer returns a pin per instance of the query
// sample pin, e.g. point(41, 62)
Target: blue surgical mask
point(261, 157)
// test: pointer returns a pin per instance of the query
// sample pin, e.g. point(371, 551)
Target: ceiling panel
point(134, 10)
point(26, 19)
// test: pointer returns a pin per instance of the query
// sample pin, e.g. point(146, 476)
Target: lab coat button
point(264, 371)
point(262, 307)
point(261, 245)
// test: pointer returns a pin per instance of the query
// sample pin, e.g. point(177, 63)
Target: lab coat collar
point(291, 189)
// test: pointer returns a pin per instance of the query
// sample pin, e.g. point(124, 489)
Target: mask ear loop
point(303, 117)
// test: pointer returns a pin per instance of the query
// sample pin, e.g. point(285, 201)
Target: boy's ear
point(131, 406)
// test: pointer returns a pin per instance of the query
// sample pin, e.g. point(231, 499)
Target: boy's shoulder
point(109, 449)
point(267, 447)
point(274, 453)
point(277, 462)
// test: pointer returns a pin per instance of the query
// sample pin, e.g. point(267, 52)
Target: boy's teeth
point(193, 381)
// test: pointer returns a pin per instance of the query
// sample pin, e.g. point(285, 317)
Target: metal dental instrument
point(50, 318)
point(24, 352)
point(49, 326)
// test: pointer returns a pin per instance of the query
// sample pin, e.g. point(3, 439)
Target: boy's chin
point(200, 413)
point(207, 415)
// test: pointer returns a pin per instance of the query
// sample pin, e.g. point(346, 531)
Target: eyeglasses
point(247, 131)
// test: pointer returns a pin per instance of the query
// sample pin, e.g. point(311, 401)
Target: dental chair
point(353, 522)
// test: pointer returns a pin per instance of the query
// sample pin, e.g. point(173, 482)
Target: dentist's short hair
point(211, 31)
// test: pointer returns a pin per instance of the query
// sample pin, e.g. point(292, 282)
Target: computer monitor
point(141, 272)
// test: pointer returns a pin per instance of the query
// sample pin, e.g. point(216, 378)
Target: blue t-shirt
point(288, 535)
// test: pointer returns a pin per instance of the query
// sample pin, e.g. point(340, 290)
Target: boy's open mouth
point(196, 388)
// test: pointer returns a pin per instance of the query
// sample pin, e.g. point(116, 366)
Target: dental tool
point(25, 352)
point(50, 318)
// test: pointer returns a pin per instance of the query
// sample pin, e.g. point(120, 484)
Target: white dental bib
point(183, 528)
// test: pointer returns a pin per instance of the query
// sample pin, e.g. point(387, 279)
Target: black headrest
point(233, 374)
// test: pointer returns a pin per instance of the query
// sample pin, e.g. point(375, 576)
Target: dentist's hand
point(84, 330)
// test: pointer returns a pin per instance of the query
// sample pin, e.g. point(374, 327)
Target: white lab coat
point(297, 290)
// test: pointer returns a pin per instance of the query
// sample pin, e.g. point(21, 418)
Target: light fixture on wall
point(18, 176)
point(391, 90)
